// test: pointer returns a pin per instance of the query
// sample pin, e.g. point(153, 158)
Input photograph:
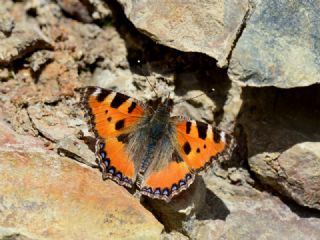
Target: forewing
point(112, 117)
point(199, 144)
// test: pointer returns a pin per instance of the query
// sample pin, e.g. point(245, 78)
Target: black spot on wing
point(216, 135)
point(109, 119)
point(202, 130)
point(188, 127)
point(187, 148)
point(132, 107)
point(102, 95)
point(119, 124)
point(124, 138)
point(118, 100)
point(198, 150)
point(176, 157)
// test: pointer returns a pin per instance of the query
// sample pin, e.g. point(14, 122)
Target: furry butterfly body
point(137, 145)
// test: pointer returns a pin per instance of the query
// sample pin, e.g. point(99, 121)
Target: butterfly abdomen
point(156, 131)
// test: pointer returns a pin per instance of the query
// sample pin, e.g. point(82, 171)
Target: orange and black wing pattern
point(112, 117)
point(199, 144)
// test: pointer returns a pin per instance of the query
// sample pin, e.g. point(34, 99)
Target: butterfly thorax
point(157, 132)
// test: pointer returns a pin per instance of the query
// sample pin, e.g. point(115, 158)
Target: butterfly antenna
point(145, 75)
point(206, 93)
point(152, 87)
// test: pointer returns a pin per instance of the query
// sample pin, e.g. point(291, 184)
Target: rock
point(58, 78)
point(11, 141)
point(295, 172)
point(53, 127)
point(240, 212)
point(4, 74)
point(282, 134)
point(209, 27)
point(39, 58)
point(179, 214)
point(74, 148)
point(6, 23)
point(11, 234)
point(77, 9)
point(24, 39)
point(174, 235)
point(43, 195)
point(278, 46)
point(101, 10)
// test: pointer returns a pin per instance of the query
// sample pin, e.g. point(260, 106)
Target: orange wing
point(112, 116)
point(168, 181)
point(199, 143)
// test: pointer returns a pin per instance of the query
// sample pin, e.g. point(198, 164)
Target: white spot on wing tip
point(223, 136)
point(96, 92)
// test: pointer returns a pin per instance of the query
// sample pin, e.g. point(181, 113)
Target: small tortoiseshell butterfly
point(138, 145)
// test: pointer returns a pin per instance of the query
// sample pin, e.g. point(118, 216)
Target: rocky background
point(261, 57)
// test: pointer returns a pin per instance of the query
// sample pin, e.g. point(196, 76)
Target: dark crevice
point(241, 29)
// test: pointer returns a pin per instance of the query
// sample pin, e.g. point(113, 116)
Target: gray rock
point(53, 127)
point(180, 213)
point(39, 58)
point(295, 172)
point(208, 27)
point(279, 46)
point(73, 148)
point(77, 9)
point(282, 137)
point(25, 38)
point(100, 9)
point(242, 212)
point(6, 23)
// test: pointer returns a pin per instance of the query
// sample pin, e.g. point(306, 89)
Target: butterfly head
point(167, 104)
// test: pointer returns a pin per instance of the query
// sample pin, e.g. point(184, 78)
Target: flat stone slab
point(208, 27)
point(279, 46)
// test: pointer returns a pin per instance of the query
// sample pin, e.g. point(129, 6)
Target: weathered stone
point(76, 9)
point(283, 140)
point(240, 212)
point(100, 9)
point(74, 148)
point(39, 59)
point(295, 172)
point(6, 23)
point(52, 126)
point(25, 38)
point(180, 212)
point(43, 195)
point(279, 46)
point(11, 141)
point(208, 27)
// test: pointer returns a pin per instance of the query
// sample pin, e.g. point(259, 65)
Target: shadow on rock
point(196, 203)
point(283, 140)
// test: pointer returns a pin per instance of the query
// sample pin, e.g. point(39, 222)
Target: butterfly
point(146, 148)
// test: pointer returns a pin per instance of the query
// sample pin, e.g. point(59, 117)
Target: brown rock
point(300, 170)
point(45, 196)
point(52, 126)
point(208, 27)
point(51, 197)
point(25, 38)
point(76, 9)
point(242, 212)
point(74, 148)
point(294, 172)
